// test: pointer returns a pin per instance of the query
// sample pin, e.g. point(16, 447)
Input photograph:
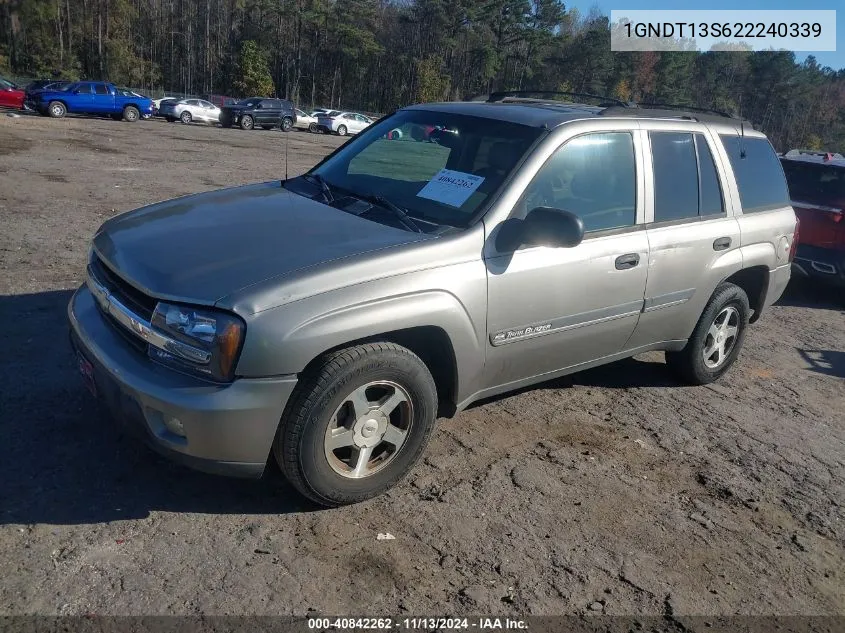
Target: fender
point(286, 339)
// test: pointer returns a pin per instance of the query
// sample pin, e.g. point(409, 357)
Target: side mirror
point(543, 226)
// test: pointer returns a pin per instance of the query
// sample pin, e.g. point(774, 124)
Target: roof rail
point(811, 152)
point(495, 97)
point(686, 108)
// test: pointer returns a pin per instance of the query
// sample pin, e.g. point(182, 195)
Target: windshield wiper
point(324, 186)
point(406, 220)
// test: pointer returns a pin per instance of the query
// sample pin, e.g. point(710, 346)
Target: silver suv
point(329, 319)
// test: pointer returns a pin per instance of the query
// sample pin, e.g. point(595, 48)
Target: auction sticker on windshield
point(451, 187)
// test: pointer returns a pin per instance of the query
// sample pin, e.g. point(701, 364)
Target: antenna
point(741, 131)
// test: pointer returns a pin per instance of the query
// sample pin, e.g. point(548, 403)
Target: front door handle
point(627, 261)
point(721, 243)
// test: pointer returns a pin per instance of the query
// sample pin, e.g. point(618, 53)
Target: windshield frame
point(377, 129)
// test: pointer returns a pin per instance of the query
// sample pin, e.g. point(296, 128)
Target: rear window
point(758, 173)
point(815, 183)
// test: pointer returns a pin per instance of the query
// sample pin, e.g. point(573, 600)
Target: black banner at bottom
point(478, 624)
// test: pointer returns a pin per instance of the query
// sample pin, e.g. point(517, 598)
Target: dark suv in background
point(259, 112)
point(817, 189)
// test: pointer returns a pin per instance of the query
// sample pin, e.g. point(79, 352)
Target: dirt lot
point(615, 490)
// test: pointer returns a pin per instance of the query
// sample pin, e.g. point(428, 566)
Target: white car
point(188, 110)
point(343, 123)
point(305, 121)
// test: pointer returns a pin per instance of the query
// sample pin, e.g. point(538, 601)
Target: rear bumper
point(228, 429)
point(824, 264)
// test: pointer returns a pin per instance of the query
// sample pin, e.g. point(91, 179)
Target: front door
point(555, 308)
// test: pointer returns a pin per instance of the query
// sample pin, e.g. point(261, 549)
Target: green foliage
point(253, 74)
point(431, 84)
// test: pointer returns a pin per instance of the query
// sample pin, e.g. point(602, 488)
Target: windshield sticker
point(451, 187)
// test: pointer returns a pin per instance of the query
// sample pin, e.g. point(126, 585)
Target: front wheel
point(357, 423)
point(287, 124)
point(247, 122)
point(57, 109)
point(341, 131)
point(313, 128)
point(717, 338)
point(186, 117)
point(131, 114)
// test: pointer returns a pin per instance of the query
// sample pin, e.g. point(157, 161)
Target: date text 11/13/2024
point(417, 624)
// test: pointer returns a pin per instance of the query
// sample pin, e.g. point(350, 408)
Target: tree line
point(377, 55)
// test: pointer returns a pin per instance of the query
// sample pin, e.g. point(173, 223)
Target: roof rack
point(686, 108)
point(497, 97)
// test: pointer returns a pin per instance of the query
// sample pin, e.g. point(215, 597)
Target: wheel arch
point(434, 347)
point(754, 281)
point(433, 324)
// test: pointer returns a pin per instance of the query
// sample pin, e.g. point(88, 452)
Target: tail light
point(795, 236)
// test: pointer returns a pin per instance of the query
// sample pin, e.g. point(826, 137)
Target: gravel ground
point(613, 491)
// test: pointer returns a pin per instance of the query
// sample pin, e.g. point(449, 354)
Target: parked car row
point(56, 98)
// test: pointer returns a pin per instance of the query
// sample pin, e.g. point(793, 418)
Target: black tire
point(299, 447)
point(287, 124)
point(56, 109)
point(690, 363)
point(131, 114)
point(186, 117)
point(313, 128)
point(341, 130)
point(247, 122)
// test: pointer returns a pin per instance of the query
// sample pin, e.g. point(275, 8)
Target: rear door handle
point(627, 261)
point(721, 243)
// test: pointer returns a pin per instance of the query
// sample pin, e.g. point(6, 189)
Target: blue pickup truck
point(93, 97)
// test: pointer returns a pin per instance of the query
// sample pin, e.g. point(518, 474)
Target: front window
point(439, 167)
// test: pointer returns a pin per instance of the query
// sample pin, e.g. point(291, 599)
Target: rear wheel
point(247, 122)
point(717, 339)
point(341, 130)
point(357, 423)
point(131, 114)
point(186, 117)
point(57, 109)
point(287, 124)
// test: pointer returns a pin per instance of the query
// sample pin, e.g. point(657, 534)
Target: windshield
point(438, 166)
point(814, 183)
point(7, 84)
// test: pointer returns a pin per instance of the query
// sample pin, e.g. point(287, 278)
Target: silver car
point(326, 321)
point(189, 110)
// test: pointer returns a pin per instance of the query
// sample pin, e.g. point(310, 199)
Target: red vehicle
point(10, 95)
point(817, 189)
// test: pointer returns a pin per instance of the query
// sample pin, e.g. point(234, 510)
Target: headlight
point(212, 340)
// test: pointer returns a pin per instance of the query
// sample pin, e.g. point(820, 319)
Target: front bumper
point(229, 429)
point(824, 264)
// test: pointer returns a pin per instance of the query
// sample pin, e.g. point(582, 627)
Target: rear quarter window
point(758, 172)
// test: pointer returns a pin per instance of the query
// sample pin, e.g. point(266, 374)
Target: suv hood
point(200, 248)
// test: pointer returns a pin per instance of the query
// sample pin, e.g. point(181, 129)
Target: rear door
point(81, 98)
point(694, 239)
point(102, 100)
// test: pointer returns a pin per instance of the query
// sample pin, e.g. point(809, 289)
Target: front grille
point(137, 301)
